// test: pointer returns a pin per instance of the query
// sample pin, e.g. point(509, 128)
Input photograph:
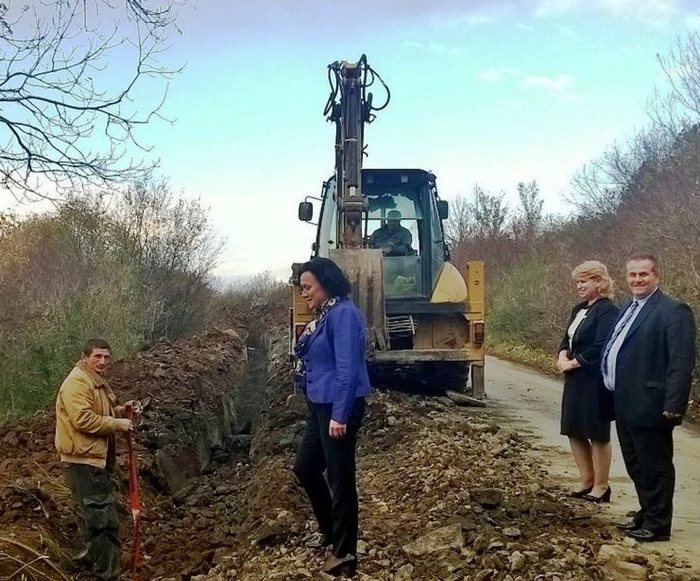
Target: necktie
point(616, 333)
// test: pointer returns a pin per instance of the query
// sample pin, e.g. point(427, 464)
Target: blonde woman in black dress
point(587, 408)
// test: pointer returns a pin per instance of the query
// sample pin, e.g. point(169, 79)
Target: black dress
point(587, 406)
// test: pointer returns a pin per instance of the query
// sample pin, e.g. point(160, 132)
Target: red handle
point(134, 498)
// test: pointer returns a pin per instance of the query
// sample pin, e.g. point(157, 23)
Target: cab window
point(394, 224)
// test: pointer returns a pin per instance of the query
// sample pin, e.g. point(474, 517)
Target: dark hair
point(329, 276)
point(94, 343)
point(645, 256)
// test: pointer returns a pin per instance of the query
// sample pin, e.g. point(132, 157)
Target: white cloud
point(488, 15)
point(558, 86)
point(566, 31)
point(549, 8)
point(652, 12)
point(474, 17)
point(649, 12)
point(497, 75)
point(491, 76)
point(435, 47)
point(479, 18)
point(693, 21)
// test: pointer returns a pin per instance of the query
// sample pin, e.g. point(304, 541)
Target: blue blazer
point(335, 360)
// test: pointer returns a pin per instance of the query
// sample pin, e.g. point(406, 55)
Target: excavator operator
point(392, 238)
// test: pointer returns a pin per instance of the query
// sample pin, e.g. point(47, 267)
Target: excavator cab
point(403, 200)
point(408, 197)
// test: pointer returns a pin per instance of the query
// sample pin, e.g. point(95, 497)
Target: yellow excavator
point(384, 228)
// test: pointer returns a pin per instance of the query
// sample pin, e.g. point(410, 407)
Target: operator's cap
point(393, 215)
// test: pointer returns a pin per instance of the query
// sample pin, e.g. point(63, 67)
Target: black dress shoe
point(579, 493)
point(629, 525)
point(647, 536)
point(605, 497)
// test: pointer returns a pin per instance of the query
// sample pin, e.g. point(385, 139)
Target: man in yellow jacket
point(87, 419)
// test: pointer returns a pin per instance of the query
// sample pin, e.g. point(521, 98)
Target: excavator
point(384, 228)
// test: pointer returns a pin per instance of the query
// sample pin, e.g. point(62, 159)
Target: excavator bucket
point(365, 269)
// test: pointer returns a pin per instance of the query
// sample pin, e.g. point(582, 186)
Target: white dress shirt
point(576, 323)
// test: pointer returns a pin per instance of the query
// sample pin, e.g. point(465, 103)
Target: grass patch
point(519, 353)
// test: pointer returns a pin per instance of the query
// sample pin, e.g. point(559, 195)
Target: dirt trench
point(204, 397)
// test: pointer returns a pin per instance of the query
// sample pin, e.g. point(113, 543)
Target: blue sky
point(482, 92)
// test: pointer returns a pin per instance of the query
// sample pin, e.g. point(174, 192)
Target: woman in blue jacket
point(331, 368)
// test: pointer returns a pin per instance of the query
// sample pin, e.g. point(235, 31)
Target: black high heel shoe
point(320, 542)
point(598, 499)
point(579, 493)
point(340, 565)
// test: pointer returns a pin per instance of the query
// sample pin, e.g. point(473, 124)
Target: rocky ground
point(447, 492)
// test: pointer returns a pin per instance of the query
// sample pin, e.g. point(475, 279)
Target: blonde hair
point(593, 269)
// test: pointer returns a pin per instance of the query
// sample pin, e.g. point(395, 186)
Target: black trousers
point(648, 455)
point(334, 500)
point(93, 492)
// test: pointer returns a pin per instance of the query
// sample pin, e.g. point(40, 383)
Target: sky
point(482, 92)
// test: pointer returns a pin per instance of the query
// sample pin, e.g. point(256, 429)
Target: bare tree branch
point(674, 110)
point(71, 75)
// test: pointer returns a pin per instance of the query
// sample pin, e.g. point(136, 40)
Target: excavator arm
point(350, 107)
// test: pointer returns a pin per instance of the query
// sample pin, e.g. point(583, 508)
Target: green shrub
point(528, 305)
point(86, 271)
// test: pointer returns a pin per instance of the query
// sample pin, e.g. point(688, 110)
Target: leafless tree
point(170, 241)
point(600, 186)
point(76, 81)
point(460, 224)
point(681, 67)
point(528, 218)
point(673, 111)
point(491, 213)
point(485, 216)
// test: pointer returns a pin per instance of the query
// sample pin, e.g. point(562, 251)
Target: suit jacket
point(654, 366)
point(590, 336)
point(335, 360)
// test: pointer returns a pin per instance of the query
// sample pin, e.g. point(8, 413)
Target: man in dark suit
point(647, 362)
